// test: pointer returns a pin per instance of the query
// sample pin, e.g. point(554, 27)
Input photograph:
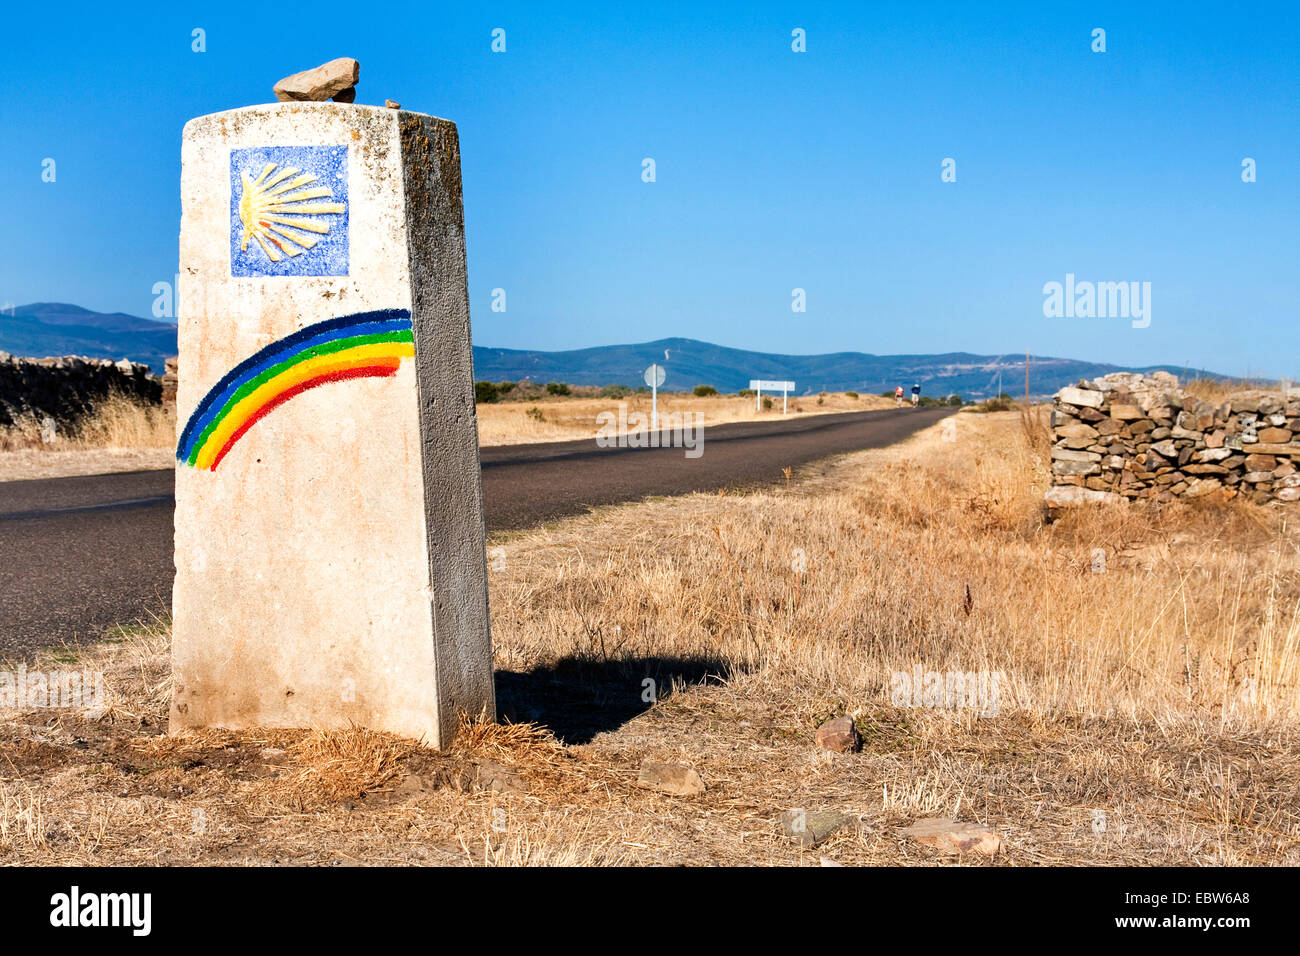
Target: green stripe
point(326, 348)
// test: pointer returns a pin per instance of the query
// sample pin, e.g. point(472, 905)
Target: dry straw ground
point(1147, 711)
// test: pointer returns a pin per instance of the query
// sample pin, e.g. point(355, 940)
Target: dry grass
point(1220, 390)
point(890, 552)
point(117, 422)
point(1211, 390)
point(121, 434)
point(1160, 692)
point(508, 423)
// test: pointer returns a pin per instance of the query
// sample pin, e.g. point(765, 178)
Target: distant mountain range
point(44, 329)
point(689, 362)
point(52, 328)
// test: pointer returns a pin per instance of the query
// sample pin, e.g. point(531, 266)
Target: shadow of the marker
point(578, 698)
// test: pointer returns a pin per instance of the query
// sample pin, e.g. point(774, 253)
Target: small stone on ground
point(811, 828)
point(673, 778)
point(952, 837)
point(839, 735)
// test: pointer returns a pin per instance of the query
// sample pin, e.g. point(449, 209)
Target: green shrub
point(485, 393)
point(767, 403)
point(615, 391)
point(503, 387)
point(557, 388)
point(702, 391)
point(535, 414)
point(746, 393)
point(851, 394)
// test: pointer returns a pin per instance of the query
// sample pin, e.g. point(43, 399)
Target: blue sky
point(775, 169)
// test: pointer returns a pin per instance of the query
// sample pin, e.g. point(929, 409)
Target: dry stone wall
point(1135, 437)
point(67, 387)
point(170, 380)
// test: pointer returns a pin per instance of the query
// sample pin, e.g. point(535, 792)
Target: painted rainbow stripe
point(364, 345)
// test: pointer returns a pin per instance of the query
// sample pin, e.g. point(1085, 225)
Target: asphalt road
point(80, 555)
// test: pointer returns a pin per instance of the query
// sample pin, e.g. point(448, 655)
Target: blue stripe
point(361, 323)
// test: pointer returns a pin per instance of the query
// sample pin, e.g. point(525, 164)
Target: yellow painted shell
point(278, 211)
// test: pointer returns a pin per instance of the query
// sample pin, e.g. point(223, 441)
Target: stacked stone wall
point(68, 387)
point(1144, 438)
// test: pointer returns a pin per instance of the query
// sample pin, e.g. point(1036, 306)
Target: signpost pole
point(758, 399)
point(784, 393)
point(654, 376)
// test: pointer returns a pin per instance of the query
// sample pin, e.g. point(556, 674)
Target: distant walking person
point(916, 394)
point(898, 395)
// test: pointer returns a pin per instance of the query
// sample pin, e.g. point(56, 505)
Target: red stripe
point(382, 369)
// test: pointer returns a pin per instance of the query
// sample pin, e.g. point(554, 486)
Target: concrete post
point(330, 565)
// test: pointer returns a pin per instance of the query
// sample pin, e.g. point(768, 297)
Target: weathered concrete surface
point(330, 569)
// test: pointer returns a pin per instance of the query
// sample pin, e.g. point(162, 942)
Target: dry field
point(1146, 708)
point(559, 419)
point(121, 435)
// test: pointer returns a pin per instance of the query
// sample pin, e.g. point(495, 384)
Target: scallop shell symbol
point(279, 210)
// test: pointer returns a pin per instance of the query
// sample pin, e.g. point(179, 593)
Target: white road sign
point(758, 384)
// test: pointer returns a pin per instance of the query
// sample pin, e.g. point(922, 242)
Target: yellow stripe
point(295, 375)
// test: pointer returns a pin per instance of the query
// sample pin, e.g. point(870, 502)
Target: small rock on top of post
point(333, 80)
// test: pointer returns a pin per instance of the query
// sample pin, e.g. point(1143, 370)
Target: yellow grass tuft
point(119, 422)
point(1211, 389)
point(337, 765)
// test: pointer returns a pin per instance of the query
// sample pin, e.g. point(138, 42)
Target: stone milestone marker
point(330, 565)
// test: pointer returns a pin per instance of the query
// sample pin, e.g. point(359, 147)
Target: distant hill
point(52, 328)
point(689, 363)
